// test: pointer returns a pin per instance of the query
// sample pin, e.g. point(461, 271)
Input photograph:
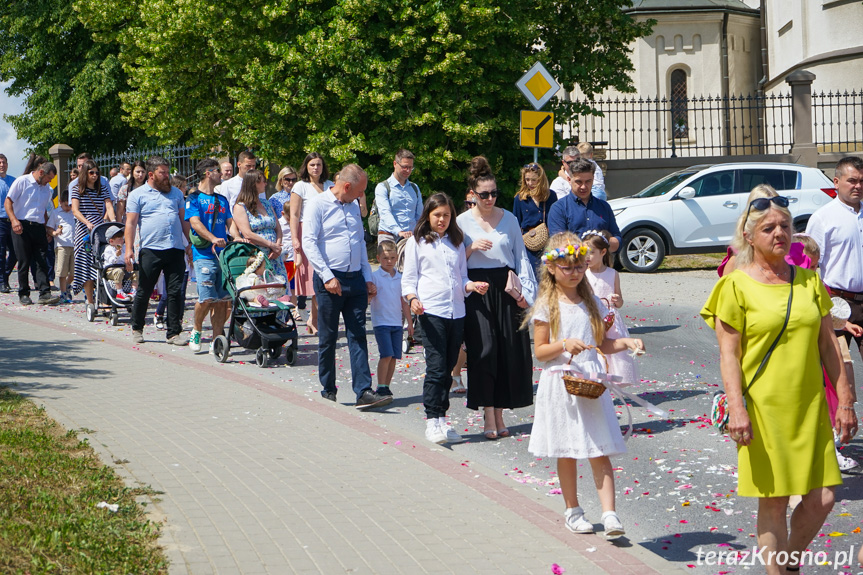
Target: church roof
point(647, 6)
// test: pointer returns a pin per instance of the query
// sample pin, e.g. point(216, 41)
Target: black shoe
point(25, 300)
point(331, 395)
point(49, 299)
point(370, 399)
point(384, 391)
point(4, 288)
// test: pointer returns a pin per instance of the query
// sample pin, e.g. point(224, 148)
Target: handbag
point(719, 411)
point(197, 240)
point(513, 285)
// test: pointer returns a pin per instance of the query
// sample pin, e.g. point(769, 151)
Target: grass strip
point(50, 485)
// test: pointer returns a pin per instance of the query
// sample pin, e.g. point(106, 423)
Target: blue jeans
point(351, 305)
point(7, 252)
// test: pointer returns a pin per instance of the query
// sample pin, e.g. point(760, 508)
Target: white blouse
point(437, 274)
point(307, 191)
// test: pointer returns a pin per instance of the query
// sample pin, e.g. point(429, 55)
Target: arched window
point(679, 105)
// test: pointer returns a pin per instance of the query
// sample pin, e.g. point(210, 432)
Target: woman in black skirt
point(499, 361)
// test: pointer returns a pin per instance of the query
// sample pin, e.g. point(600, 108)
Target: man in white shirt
point(27, 208)
point(120, 179)
point(560, 185)
point(226, 170)
point(231, 188)
point(333, 242)
point(838, 229)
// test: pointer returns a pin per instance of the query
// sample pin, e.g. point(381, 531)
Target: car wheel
point(642, 251)
point(800, 226)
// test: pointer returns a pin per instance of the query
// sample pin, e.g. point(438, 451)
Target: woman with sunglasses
point(287, 178)
point(91, 203)
point(776, 403)
point(729, 263)
point(531, 205)
point(499, 362)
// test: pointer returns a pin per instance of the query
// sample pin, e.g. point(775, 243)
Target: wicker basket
point(583, 387)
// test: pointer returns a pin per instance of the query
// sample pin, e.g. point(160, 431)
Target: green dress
point(792, 445)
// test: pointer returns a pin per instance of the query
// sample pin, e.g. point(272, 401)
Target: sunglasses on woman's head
point(762, 204)
point(487, 195)
point(531, 166)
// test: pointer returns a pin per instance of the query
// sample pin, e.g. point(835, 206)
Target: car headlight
point(618, 211)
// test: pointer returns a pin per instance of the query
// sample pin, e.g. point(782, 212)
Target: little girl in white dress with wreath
point(568, 323)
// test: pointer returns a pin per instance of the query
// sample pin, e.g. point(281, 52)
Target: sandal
point(458, 386)
point(490, 434)
point(504, 432)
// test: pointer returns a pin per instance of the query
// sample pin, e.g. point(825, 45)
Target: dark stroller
point(104, 295)
point(265, 329)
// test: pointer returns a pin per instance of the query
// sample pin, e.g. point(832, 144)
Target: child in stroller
point(114, 260)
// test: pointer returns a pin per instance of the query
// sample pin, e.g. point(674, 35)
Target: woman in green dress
point(781, 427)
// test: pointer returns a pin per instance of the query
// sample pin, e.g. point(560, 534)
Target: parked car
point(696, 209)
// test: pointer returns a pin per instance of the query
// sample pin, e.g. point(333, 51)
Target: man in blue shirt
point(208, 214)
point(7, 252)
point(158, 207)
point(333, 241)
point(398, 200)
point(580, 211)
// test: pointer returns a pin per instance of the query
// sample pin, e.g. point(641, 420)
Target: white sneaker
point(451, 434)
point(576, 522)
point(434, 433)
point(845, 463)
point(195, 341)
point(612, 525)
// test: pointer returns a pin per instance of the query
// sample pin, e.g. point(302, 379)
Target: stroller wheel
point(220, 348)
point(275, 352)
point(406, 344)
point(291, 354)
point(262, 357)
point(115, 318)
point(91, 312)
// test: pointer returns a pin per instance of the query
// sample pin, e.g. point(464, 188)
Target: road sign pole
point(535, 154)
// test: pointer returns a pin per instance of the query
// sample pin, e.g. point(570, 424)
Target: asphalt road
point(675, 487)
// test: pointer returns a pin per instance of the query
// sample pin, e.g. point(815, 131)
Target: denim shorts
point(389, 340)
point(209, 280)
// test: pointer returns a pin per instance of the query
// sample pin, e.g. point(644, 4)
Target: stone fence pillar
point(61, 153)
point(803, 148)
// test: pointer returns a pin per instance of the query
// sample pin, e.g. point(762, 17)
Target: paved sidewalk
point(259, 477)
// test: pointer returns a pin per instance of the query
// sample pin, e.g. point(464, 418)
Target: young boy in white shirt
point(61, 226)
point(388, 311)
point(115, 255)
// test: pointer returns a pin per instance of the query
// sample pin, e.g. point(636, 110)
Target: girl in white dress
point(568, 324)
point(605, 282)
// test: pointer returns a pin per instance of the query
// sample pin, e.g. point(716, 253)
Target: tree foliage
point(70, 83)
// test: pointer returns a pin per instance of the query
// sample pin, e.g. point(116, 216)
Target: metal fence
point(838, 121)
point(181, 158)
point(640, 127)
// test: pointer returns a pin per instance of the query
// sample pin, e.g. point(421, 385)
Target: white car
point(696, 210)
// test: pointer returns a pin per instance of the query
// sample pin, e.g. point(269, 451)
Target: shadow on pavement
point(641, 329)
point(52, 364)
point(684, 546)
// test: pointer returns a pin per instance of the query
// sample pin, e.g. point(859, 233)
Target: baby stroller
point(265, 329)
point(407, 341)
point(104, 294)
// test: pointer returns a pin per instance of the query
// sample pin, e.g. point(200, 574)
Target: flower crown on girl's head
point(589, 233)
point(569, 250)
point(259, 259)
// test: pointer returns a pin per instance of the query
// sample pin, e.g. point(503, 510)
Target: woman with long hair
point(499, 363)
point(255, 218)
point(314, 180)
point(137, 178)
point(530, 207)
point(92, 205)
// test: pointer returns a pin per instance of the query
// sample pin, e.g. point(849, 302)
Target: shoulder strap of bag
point(215, 211)
point(781, 331)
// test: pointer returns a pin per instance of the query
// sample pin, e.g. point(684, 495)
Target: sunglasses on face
point(93, 172)
point(762, 204)
point(487, 195)
point(290, 179)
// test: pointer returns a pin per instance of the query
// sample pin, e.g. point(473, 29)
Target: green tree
point(355, 79)
point(70, 83)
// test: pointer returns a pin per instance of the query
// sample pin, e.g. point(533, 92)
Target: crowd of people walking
point(478, 283)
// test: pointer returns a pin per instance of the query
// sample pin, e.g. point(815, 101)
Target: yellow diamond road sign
point(538, 86)
point(537, 129)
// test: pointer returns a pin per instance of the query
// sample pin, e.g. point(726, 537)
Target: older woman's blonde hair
point(745, 224)
point(286, 171)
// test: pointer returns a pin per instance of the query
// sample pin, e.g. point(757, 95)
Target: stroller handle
point(259, 286)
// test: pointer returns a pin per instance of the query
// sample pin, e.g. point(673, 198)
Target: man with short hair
point(837, 227)
point(227, 170)
point(398, 200)
point(7, 252)
point(27, 209)
point(157, 207)
point(208, 214)
point(119, 180)
point(246, 161)
point(580, 211)
point(560, 185)
point(333, 241)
